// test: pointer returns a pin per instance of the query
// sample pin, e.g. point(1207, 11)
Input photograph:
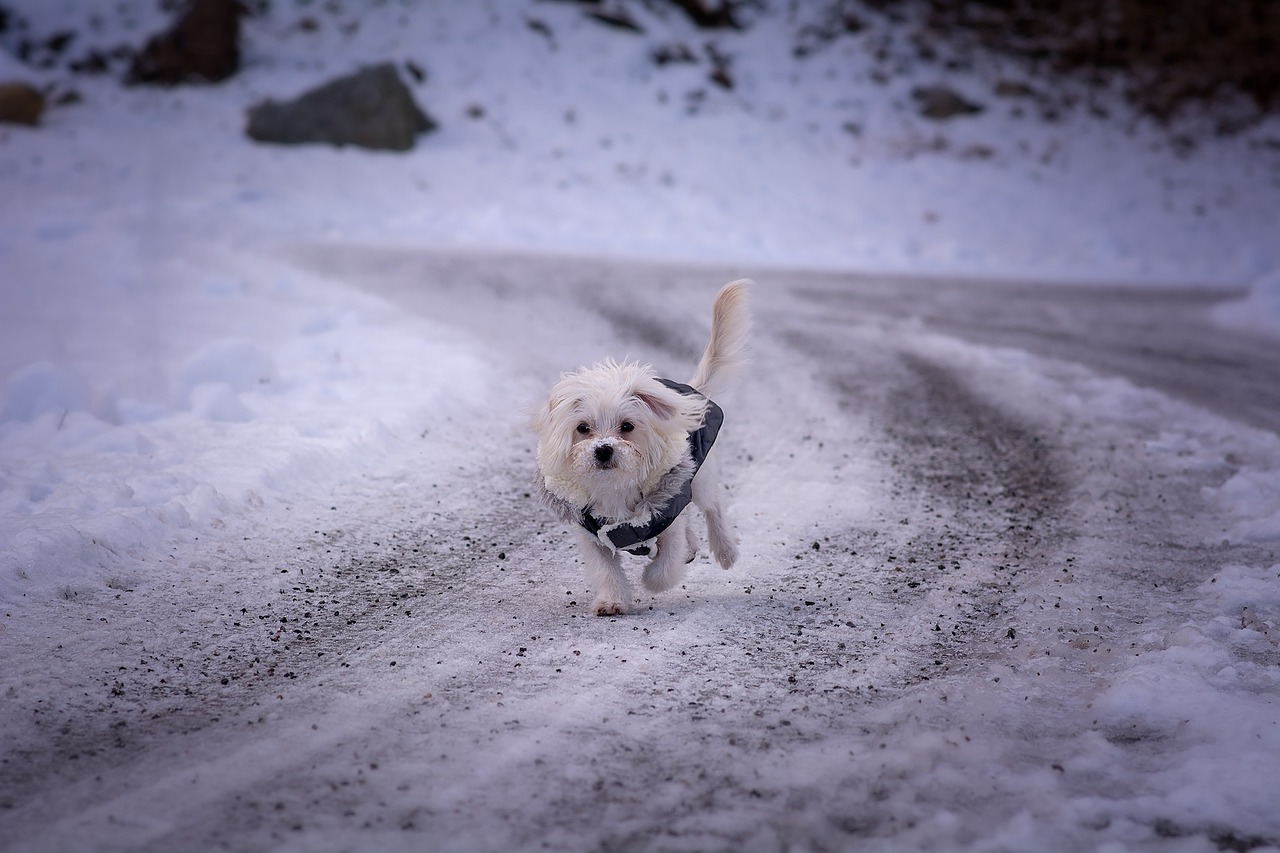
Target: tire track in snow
point(995, 501)
point(979, 491)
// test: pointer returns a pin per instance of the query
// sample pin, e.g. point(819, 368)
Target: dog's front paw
point(605, 607)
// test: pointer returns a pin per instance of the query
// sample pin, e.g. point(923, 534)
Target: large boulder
point(204, 45)
point(372, 108)
point(20, 103)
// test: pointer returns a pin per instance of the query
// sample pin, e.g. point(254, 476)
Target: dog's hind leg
point(721, 538)
point(604, 573)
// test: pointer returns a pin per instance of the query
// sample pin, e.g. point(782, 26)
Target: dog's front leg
point(668, 567)
point(604, 573)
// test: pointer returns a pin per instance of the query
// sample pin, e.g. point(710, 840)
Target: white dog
point(618, 451)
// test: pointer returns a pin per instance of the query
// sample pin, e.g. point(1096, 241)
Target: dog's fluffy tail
point(727, 352)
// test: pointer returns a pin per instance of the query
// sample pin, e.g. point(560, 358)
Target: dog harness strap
point(628, 537)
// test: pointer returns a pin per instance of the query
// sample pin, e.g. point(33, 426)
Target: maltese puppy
point(621, 454)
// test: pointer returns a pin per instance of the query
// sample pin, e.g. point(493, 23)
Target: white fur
point(609, 433)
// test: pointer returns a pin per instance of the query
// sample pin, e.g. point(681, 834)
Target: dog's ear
point(552, 423)
point(671, 407)
point(541, 419)
point(559, 410)
point(654, 402)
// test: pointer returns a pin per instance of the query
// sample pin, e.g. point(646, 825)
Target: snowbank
point(144, 435)
point(1258, 311)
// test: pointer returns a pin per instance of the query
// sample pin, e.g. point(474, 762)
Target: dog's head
point(609, 431)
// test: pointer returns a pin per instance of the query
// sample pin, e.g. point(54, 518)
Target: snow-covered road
point(998, 592)
point(270, 574)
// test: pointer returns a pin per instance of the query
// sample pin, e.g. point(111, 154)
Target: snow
point(233, 373)
point(1256, 310)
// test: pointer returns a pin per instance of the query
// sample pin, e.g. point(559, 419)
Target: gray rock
point(371, 108)
point(1013, 89)
point(20, 103)
point(940, 103)
point(204, 45)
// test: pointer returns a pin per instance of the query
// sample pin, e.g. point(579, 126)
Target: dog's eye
point(627, 426)
point(583, 429)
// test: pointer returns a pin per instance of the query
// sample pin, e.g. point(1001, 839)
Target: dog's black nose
point(604, 453)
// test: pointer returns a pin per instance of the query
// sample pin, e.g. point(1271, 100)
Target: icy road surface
point(984, 531)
